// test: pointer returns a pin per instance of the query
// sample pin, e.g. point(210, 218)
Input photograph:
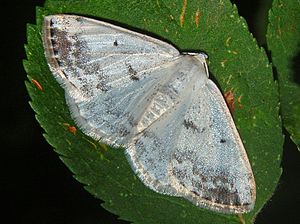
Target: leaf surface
point(283, 38)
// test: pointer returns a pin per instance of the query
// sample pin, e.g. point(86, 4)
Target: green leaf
point(283, 38)
point(236, 62)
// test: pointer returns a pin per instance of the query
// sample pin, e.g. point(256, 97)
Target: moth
point(130, 90)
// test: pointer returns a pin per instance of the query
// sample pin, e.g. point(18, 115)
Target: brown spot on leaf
point(197, 16)
point(229, 97)
point(181, 18)
point(71, 129)
point(37, 84)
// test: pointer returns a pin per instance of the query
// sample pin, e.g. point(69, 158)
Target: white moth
point(128, 89)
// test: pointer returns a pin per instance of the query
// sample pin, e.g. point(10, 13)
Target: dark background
point(36, 187)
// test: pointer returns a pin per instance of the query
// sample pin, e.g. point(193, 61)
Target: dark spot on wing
point(178, 158)
point(85, 87)
point(78, 49)
point(132, 73)
point(139, 143)
point(131, 121)
point(65, 75)
point(190, 124)
point(195, 193)
point(115, 43)
point(212, 122)
point(55, 51)
point(223, 196)
point(124, 131)
point(206, 198)
point(79, 19)
point(135, 78)
point(60, 42)
point(101, 87)
point(66, 46)
point(60, 63)
point(52, 32)
point(222, 141)
point(53, 41)
point(221, 192)
point(51, 22)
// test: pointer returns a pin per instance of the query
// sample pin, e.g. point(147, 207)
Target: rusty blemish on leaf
point(37, 84)
point(229, 97)
point(197, 16)
point(71, 129)
point(182, 13)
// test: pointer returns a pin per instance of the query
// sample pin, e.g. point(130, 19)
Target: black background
point(36, 187)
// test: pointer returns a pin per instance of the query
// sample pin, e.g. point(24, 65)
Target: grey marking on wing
point(222, 141)
point(190, 124)
point(133, 73)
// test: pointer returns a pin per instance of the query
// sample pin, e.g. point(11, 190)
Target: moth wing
point(195, 152)
point(210, 161)
point(104, 70)
point(150, 151)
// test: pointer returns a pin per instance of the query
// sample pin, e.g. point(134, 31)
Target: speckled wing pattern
point(128, 89)
point(105, 70)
